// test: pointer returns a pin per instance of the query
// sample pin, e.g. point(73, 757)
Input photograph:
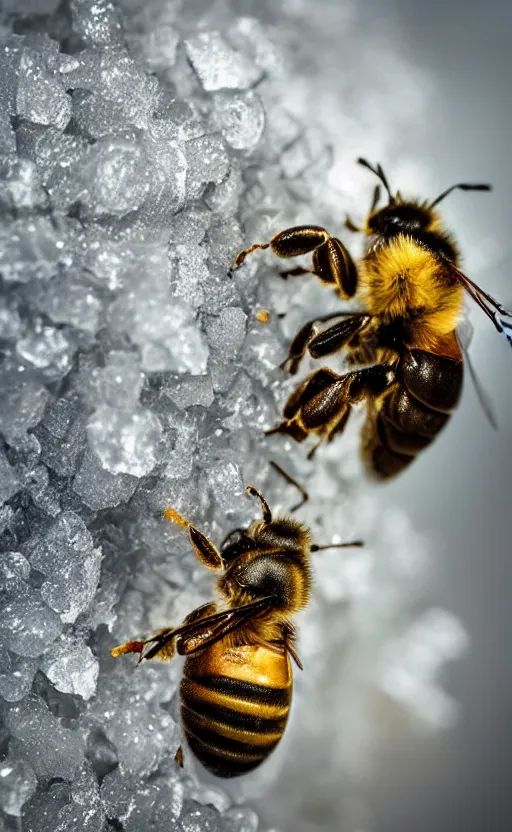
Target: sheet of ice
point(142, 144)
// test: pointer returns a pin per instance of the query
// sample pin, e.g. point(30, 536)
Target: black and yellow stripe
point(232, 724)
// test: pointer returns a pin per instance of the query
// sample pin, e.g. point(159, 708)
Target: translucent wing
point(501, 317)
point(464, 334)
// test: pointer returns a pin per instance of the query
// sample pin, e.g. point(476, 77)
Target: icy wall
point(141, 145)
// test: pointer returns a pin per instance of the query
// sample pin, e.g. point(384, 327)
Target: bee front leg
point(332, 262)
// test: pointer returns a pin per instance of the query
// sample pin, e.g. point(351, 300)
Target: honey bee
point(404, 341)
point(236, 688)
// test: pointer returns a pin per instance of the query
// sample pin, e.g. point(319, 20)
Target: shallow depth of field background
point(460, 492)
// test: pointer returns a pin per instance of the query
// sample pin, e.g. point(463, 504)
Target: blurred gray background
point(459, 492)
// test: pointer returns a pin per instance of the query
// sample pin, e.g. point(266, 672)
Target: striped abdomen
point(234, 705)
point(413, 413)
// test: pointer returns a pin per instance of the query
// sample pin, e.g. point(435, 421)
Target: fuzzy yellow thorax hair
point(404, 280)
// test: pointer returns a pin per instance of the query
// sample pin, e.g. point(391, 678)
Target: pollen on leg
point(174, 517)
point(129, 647)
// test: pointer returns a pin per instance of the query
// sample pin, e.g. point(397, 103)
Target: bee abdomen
point(232, 725)
point(414, 412)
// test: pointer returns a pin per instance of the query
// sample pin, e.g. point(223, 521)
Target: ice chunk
point(225, 481)
point(154, 807)
point(120, 382)
point(193, 274)
point(96, 22)
point(226, 333)
point(17, 784)
point(16, 675)
point(48, 148)
point(183, 441)
point(101, 753)
point(218, 65)
point(40, 97)
point(61, 454)
point(190, 391)
point(110, 179)
point(197, 818)
point(224, 197)
point(29, 250)
point(98, 488)
point(71, 667)
point(47, 348)
point(9, 483)
point(28, 625)
point(159, 47)
point(142, 731)
point(126, 442)
point(111, 89)
point(53, 750)
point(67, 558)
point(240, 819)
point(68, 302)
point(207, 162)
point(240, 118)
point(164, 327)
point(21, 188)
point(21, 406)
point(116, 173)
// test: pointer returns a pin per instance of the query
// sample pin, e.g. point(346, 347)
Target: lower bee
point(404, 340)
point(236, 689)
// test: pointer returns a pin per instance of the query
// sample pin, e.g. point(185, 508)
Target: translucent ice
point(17, 783)
point(120, 94)
point(97, 22)
point(71, 667)
point(218, 65)
point(207, 162)
point(40, 97)
point(125, 442)
point(98, 488)
point(40, 738)
point(240, 118)
point(71, 565)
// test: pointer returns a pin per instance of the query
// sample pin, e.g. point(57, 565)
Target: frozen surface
point(141, 145)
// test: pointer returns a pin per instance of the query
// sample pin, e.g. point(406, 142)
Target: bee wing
point(501, 317)
point(464, 334)
point(204, 631)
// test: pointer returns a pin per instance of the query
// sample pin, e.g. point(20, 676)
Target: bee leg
point(305, 409)
point(337, 336)
point(332, 262)
point(321, 404)
point(205, 551)
point(302, 340)
point(179, 756)
point(294, 272)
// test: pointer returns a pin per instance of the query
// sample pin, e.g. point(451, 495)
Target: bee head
point(399, 218)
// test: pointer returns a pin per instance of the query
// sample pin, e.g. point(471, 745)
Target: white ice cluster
point(142, 144)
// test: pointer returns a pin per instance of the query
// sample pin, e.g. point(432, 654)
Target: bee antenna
point(286, 476)
point(461, 186)
point(380, 174)
point(267, 514)
point(316, 548)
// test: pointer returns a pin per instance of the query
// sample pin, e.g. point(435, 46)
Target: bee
point(403, 344)
point(236, 688)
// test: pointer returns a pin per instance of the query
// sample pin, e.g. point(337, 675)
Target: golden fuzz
point(404, 280)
